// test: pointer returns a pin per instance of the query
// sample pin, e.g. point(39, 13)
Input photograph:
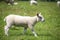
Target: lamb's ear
point(37, 14)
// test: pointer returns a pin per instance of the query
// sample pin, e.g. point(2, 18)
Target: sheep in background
point(33, 2)
point(21, 20)
point(58, 3)
point(11, 2)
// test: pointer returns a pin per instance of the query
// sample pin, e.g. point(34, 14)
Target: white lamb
point(58, 3)
point(19, 20)
point(33, 2)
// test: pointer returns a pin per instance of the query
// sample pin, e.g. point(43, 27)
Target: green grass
point(48, 30)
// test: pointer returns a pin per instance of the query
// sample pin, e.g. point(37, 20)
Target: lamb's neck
point(35, 19)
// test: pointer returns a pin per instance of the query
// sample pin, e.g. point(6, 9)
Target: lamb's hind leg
point(25, 29)
point(6, 28)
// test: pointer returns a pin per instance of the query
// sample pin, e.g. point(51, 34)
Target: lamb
point(33, 2)
point(18, 20)
point(58, 3)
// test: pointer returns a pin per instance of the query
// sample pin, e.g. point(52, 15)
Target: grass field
point(48, 30)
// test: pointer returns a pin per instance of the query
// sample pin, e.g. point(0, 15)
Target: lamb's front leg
point(32, 29)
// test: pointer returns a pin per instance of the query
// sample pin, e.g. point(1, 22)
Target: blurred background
point(48, 30)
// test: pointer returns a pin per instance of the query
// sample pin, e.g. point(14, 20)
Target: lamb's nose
point(43, 20)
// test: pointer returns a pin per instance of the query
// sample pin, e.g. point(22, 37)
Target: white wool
point(20, 19)
point(58, 3)
point(15, 3)
point(33, 2)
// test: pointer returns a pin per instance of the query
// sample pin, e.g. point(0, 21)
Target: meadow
point(48, 30)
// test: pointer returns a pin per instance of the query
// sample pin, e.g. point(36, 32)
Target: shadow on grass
point(21, 34)
point(29, 34)
point(44, 34)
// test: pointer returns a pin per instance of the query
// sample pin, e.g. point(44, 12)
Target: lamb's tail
point(5, 19)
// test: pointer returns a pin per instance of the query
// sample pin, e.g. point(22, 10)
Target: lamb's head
point(40, 17)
